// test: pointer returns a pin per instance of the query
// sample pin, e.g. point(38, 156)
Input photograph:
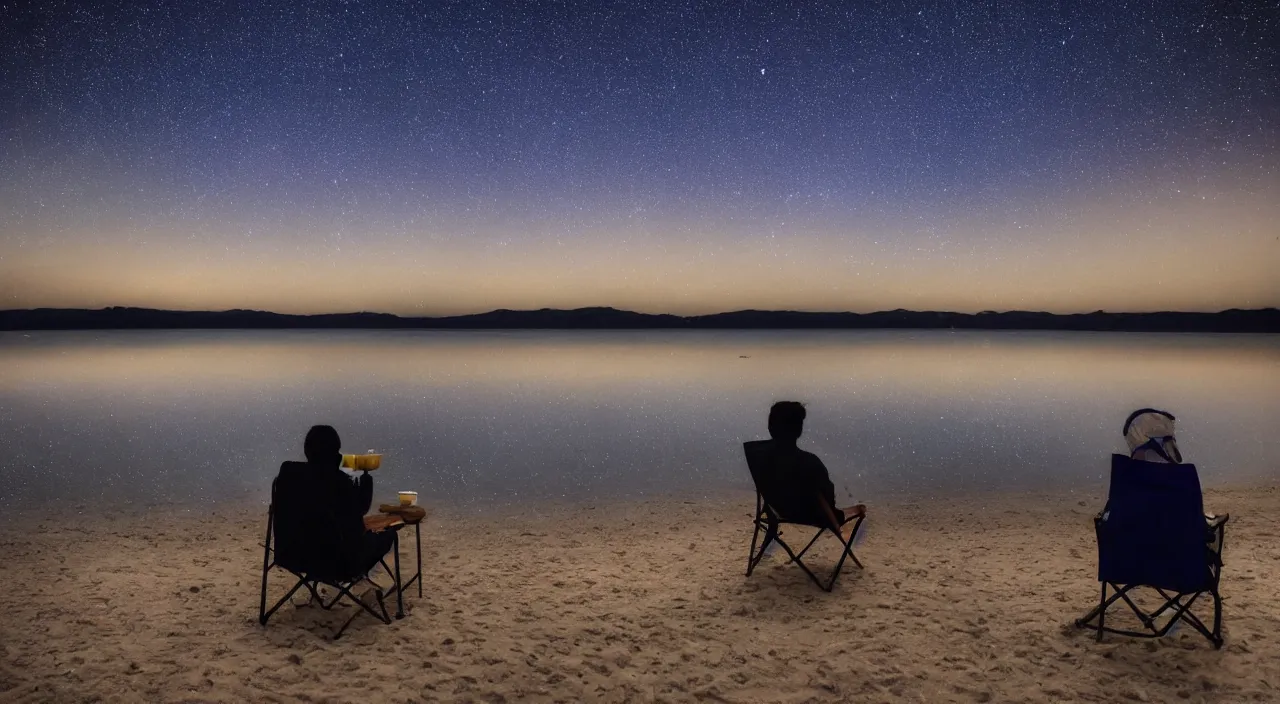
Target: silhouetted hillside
point(1266, 320)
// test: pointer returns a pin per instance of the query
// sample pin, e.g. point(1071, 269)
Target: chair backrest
point(770, 475)
point(1153, 529)
point(759, 461)
point(306, 538)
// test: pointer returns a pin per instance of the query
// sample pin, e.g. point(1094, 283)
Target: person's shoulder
point(292, 467)
point(811, 459)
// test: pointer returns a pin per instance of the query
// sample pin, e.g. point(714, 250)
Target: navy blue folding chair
point(1153, 534)
point(771, 514)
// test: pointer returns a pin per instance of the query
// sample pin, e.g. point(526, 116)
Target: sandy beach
point(966, 600)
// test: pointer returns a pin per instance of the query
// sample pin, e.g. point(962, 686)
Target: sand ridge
point(965, 600)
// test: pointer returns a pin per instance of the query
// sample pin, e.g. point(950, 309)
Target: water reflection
point(499, 416)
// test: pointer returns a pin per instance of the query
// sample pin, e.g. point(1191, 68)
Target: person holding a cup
point(338, 504)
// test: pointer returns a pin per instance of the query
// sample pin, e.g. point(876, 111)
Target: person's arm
point(351, 499)
point(364, 493)
point(820, 481)
point(828, 489)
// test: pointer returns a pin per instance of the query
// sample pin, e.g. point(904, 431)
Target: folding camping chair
point(770, 516)
point(1154, 534)
point(314, 566)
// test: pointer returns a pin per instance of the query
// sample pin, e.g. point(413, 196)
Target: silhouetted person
point(800, 476)
point(1149, 433)
point(331, 530)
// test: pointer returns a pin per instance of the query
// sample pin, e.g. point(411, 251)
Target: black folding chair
point(1154, 535)
point(309, 571)
point(770, 515)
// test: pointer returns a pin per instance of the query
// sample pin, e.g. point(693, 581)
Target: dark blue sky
point(662, 156)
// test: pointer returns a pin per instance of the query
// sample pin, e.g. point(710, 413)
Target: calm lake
point(479, 418)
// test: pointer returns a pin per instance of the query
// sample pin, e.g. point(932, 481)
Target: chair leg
point(382, 606)
point(1170, 602)
point(796, 559)
point(844, 555)
point(395, 546)
point(1086, 620)
point(1217, 580)
point(1179, 606)
point(770, 536)
point(1217, 619)
point(853, 538)
point(262, 601)
point(345, 591)
point(1146, 620)
point(1102, 611)
point(1181, 612)
point(846, 547)
point(751, 552)
point(267, 613)
point(1196, 623)
point(811, 542)
point(343, 629)
point(337, 598)
point(266, 568)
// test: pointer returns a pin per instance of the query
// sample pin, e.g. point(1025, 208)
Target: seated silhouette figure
point(322, 527)
point(1150, 435)
point(798, 476)
point(1153, 534)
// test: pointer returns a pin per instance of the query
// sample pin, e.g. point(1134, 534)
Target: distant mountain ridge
point(1263, 320)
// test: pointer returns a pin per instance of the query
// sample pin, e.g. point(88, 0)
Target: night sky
point(431, 158)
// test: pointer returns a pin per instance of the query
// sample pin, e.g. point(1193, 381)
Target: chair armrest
point(830, 513)
point(379, 522)
point(1217, 527)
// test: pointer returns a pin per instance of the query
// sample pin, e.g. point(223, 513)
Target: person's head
point(786, 421)
point(1154, 429)
point(322, 445)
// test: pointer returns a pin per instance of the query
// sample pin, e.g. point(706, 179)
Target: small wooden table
point(413, 516)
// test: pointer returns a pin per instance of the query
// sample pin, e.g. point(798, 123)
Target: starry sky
point(686, 157)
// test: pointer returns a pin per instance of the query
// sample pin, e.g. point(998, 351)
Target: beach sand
point(963, 600)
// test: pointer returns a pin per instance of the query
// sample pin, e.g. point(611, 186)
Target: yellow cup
point(366, 463)
point(408, 498)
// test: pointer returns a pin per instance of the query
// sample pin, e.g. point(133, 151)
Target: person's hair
point(322, 444)
point(786, 420)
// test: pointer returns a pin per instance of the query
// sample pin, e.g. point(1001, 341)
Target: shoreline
point(742, 496)
point(963, 599)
